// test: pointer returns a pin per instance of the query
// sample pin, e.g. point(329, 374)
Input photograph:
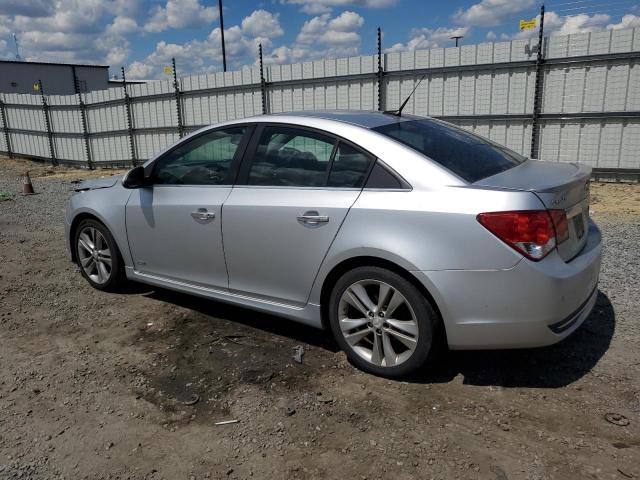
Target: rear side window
point(291, 157)
point(350, 167)
point(295, 157)
point(469, 156)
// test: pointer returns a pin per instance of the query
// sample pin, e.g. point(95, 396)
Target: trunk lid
point(559, 186)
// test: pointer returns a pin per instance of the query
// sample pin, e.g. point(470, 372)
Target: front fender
point(108, 206)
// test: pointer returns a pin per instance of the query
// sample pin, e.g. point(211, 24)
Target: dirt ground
point(131, 385)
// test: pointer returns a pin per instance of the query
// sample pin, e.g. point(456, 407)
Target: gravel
point(97, 385)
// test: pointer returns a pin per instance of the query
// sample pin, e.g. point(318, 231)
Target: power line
point(595, 5)
point(608, 11)
point(553, 5)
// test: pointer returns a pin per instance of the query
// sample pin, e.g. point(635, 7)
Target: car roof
point(366, 119)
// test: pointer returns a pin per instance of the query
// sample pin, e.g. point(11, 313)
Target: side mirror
point(136, 178)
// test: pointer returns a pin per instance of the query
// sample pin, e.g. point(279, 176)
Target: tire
point(91, 233)
point(409, 330)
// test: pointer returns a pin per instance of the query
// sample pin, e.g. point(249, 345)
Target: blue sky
point(143, 35)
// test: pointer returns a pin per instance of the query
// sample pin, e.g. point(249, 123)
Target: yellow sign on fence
point(36, 87)
point(528, 24)
point(168, 70)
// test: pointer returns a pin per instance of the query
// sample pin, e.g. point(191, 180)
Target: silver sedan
point(391, 231)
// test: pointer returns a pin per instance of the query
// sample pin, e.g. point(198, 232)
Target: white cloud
point(27, 8)
point(315, 7)
point(117, 55)
point(555, 24)
point(76, 31)
point(262, 24)
point(181, 14)
point(322, 37)
point(4, 51)
point(70, 16)
point(491, 36)
point(488, 13)
point(628, 21)
point(122, 26)
point(139, 70)
point(422, 38)
point(241, 42)
point(324, 30)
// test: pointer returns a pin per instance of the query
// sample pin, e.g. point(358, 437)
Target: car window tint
point(350, 167)
point(380, 177)
point(469, 156)
point(205, 160)
point(291, 157)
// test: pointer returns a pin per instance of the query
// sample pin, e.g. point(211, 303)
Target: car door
point(287, 207)
point(173, 227)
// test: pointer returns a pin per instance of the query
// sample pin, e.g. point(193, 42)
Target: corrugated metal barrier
point(589, 101)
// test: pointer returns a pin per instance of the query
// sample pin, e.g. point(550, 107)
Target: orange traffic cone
point(27, 188)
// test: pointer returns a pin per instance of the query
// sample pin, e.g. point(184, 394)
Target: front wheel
point(98, 256)
point(382, 321)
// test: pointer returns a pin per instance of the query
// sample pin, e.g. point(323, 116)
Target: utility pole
point(15, 41)
point(380, 73)
point(537, 93)
point(456, 38)
point(224, 53)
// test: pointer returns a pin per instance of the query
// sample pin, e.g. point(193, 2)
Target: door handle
point(312, 218)
point(202, 214)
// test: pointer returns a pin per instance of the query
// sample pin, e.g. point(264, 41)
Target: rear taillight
point(533, 233)
point(560, 223)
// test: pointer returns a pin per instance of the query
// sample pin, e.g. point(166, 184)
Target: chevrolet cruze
point(382, 228)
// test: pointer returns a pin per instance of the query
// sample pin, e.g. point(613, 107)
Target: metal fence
point(587, 106)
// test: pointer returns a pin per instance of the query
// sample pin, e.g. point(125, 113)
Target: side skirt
point(308, 315)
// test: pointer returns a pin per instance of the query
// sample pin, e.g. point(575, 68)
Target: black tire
point(117, 279)
point(425, 315)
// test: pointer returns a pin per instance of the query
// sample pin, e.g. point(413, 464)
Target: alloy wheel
point(94, 255)
point(378, 323)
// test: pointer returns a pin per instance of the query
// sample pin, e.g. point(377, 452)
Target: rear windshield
point(467, 155)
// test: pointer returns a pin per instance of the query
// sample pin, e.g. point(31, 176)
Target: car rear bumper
point(529, 305)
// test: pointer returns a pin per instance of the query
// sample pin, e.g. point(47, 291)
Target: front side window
point(291, 157)
point(469, 156)
point(204, 160)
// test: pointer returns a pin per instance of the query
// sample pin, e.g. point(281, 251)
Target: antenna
point(398, 112)
point(15, 41)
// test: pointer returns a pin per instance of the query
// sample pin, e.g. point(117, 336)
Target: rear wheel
point(382, 321)
point(98, 256)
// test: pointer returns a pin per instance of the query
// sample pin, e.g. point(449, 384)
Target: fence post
point(47, 122)
point(178, 103)
point(380, 73)
point(263, 83)
point(537, 92)
point(127, 102)
point(5, 128)
point(83, 116)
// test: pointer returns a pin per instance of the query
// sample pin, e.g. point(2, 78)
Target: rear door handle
point(203, 214)
point(312, 218)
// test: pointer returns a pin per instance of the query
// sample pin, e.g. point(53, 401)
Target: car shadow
point(265, 322)
point(554, 366)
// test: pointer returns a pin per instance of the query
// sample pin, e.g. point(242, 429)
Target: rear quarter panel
point(430, 230)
